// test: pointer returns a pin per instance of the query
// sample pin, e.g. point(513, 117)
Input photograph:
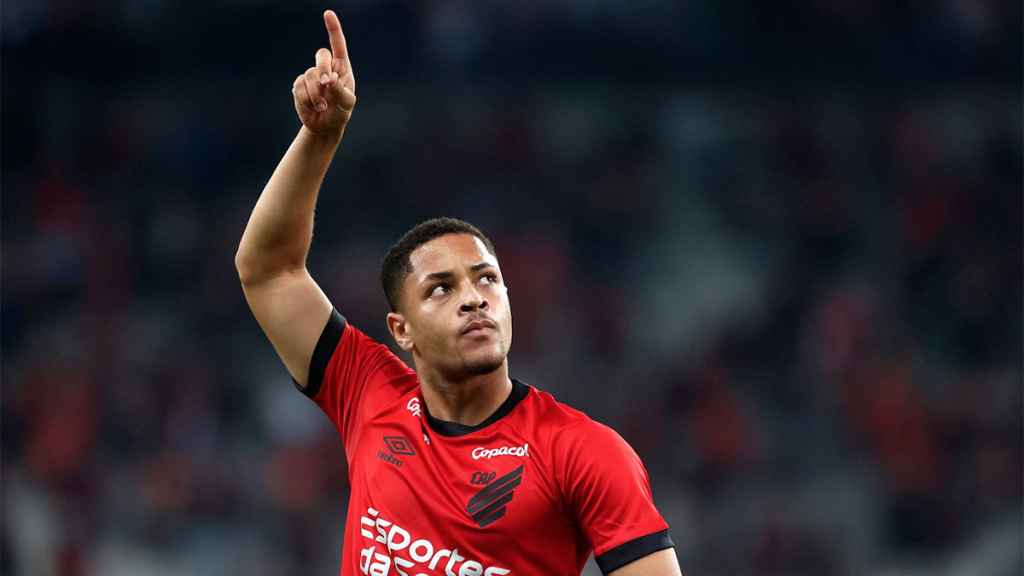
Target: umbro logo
point(489, 504)
point(397, 446)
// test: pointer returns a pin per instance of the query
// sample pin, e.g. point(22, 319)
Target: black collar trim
point(445, 428)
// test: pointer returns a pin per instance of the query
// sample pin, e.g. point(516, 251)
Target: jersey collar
point(445, 428)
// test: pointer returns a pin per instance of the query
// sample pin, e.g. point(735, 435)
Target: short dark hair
point(396, 265)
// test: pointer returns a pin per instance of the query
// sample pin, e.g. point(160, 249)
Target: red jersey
point(530, 491)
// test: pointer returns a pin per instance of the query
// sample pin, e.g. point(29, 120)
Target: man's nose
point(473, 300)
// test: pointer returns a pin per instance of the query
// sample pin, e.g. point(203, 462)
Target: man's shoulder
point(556, 417)
point(577, 444)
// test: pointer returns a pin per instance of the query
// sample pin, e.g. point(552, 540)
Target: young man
point(455, 468)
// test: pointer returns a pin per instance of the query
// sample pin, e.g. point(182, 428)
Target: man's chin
point(483, 366)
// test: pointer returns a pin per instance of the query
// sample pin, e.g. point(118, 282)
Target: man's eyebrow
point(445, 275)
point(448, 274)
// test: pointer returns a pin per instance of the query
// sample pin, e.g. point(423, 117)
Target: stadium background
point(777, 247)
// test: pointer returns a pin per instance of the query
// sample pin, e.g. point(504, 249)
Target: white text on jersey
point(419, 552)
point(488, 453)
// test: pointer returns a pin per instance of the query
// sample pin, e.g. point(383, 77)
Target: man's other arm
point(271, 260)
point(660, 563)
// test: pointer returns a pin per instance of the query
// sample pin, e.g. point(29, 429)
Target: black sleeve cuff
point(325, 346)
point(633, 550)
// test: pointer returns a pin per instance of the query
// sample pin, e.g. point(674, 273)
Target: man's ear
point(400, 330)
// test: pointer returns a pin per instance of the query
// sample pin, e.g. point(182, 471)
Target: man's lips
point(478, 325)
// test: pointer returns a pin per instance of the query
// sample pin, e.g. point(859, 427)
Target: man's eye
point(439, 290)
point(490, 278)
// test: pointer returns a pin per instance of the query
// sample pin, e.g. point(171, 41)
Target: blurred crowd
point(780, 252)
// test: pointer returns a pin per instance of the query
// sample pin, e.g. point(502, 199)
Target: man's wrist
point(328, 140)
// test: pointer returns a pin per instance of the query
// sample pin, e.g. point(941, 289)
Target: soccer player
point(455, 468)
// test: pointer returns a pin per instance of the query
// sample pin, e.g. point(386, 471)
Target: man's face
point(455, 304)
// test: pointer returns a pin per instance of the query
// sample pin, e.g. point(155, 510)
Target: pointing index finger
point(338, 48)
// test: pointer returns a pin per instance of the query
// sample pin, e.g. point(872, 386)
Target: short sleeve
point(608, 491)
point(349, 370)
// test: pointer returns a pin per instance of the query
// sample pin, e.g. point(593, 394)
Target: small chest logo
point(482, 478)
point(413, 406)
point(397, 446)
point(490, 503)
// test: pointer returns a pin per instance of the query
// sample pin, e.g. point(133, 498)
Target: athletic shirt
point(530, 491)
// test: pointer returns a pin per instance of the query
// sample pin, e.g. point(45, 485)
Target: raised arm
point(271, 259)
